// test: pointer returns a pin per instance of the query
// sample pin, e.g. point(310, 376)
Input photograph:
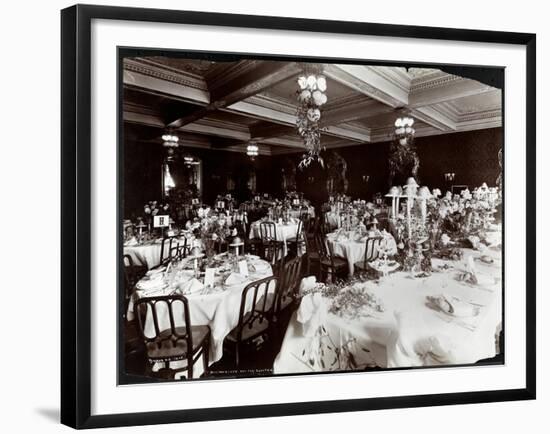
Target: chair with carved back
point(180, 340)
point(256, 316)
point(330, 265)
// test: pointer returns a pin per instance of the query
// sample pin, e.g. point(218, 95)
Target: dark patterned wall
point(473, 156)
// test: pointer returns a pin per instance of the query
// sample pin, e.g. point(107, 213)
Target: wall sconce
point(449, 176)
point(311, 179)
point(365, 178)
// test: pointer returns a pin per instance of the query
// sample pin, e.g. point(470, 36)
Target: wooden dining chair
point(268, 231)
point(180, 250)
point(132, 274)
point(330, 265)
point(272, 249)
point(181, 341)
point(296, 243)
point(371, 253)
point(166, 248)
point(255, 318)
point(288, 285)
point(312, 255)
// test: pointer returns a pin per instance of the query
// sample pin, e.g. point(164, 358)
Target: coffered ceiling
point(226, 105)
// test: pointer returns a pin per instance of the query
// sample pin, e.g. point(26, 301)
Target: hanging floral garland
point(403, 158)
point(311, 96)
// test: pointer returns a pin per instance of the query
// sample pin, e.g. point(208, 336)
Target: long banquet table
point(407, 332)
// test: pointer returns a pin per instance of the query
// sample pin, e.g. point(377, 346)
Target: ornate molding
point(435, 82)
point(164, 74)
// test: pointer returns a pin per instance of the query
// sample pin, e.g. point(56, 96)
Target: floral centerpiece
point(211, 231)
point(153, 208)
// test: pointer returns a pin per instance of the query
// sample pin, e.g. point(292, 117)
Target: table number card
point(161, 221)
point(209, 274)
point(257, 198)
point(194, 201)
point(243, 268)
point(220, 204)
point(296, 201)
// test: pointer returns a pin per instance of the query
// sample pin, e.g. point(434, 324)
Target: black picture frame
point(76, 215)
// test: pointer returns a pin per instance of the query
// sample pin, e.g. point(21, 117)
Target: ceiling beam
point(158, 81)
point(375, 82)
point(252, 78)
point(434, 118)
point(352, 109)
point(445, 88)
point(217, 128)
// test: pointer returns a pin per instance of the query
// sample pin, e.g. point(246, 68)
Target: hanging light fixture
point(312, 87)
point(404, 131)
point(170, 141)
point(252, 150)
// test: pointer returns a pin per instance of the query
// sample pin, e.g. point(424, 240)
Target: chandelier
point(170, 141)
point(311, 97)
point(404, 131)
point(252, 150)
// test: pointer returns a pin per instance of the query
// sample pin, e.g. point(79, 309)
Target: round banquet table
point(217, 307)
point(407, 332)
point(297, 213)
point(283, 231)
point(351, 246)
point(148, 253)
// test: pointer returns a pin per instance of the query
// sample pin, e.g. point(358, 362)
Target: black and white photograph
point(287, 216)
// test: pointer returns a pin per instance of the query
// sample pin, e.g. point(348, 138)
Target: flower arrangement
point(210, 231)
point(403, 158)
point(312, 96)
point(349, 298)
point(153, 208)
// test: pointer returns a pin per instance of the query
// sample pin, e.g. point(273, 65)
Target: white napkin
point(191, 286)
point(453, 306)
point(235, 279)
point(154, 282)
point(493, 238)
point(308, 283)
point(312, 313)
point(474, 239)
point(435, 350)
point(131, 242)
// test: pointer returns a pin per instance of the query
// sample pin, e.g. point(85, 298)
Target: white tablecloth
point(284, 232)
point(218, 308)
point(354, 251)
point(148, 254)
point(297, 213)
point(408, 333)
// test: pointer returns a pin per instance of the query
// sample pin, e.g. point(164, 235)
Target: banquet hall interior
point(281, 217)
